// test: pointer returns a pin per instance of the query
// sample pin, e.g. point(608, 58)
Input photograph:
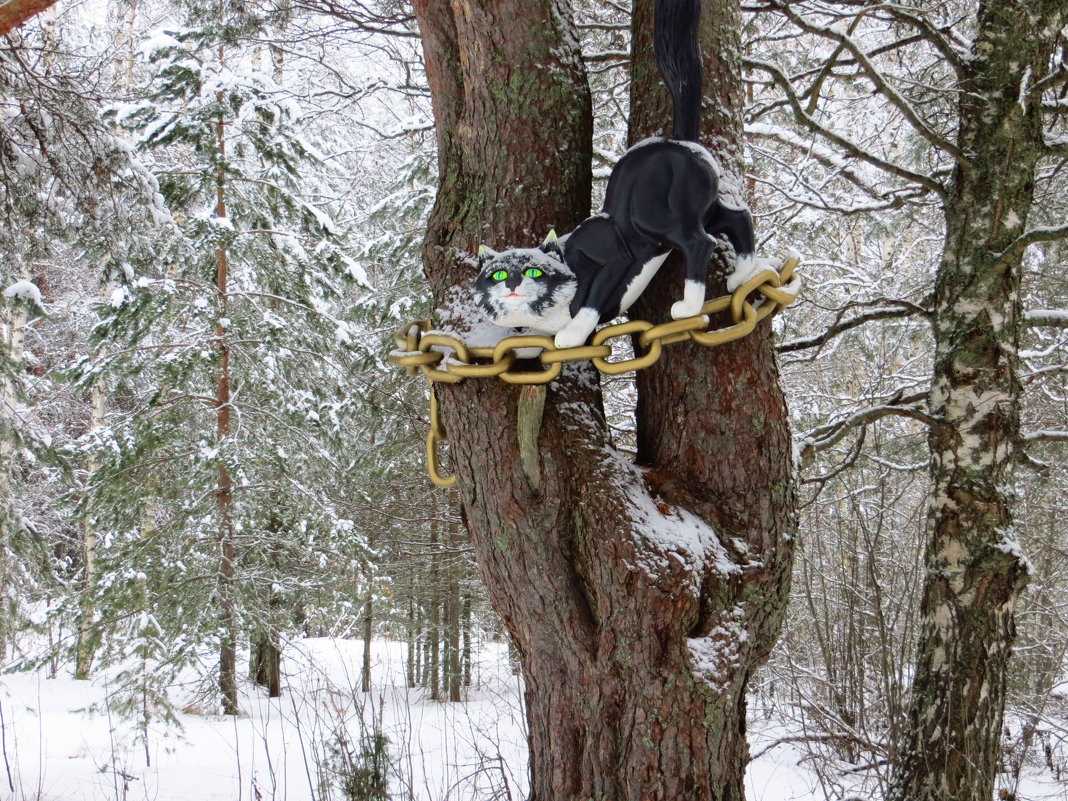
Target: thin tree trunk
point(412, 631)
point(466, 648)
point(17, 317)
point(636, 639)
point(84, 648)
point(368, 630)
point(974, 568)
point(224, 492)
point(432, 663)
point(453, 675)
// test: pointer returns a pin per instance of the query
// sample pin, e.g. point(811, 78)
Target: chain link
point(445, 358)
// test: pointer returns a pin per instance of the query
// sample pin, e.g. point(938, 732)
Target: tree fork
point(636, 651)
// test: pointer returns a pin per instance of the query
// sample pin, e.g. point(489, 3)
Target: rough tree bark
point(640, 597)
point(225, 490)
point(975, 571)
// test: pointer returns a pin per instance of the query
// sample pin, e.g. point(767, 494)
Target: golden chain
point(415, 349)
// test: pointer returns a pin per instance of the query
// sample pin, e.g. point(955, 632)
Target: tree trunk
point(412, 667)
point(368, 627)
point(975, 572)
point(453, 676)
point(84, 649)
point(432, 662)
point(465, 651)
point(15, 12)
point(368, 631)
point(224, 492)
point(15, 318)
point(640, 598)
point(266, 663)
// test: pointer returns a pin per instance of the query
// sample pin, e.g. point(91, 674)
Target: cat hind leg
point(697, 251)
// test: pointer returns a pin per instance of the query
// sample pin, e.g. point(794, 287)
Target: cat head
point(526, 287)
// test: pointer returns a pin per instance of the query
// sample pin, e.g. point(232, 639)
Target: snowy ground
point(51, 749)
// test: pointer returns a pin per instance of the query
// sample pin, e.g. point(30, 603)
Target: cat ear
point(551, 245)
point(485, 254)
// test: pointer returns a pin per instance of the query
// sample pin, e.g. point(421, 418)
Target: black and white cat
point(664, 194)
point(526, 287)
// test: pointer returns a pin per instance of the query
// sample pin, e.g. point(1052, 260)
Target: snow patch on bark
point(673, 532)
point(716, 657)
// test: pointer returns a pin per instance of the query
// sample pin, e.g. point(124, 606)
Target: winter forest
point(826, 561)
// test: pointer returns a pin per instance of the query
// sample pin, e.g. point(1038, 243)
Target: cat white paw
point(684, 308)
point(693, 298)
point(578, 330)
point(745, 268)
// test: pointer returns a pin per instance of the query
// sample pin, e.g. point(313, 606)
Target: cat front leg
point(576, 332)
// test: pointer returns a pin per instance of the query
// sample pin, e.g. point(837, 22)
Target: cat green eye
point(533, 272)
point(500, 275)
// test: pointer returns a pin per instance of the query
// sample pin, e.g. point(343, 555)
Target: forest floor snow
point(60, 742)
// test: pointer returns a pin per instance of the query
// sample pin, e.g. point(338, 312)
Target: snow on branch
point(1046, 318)
point(895, 309)
point(1057, 145)
point(803, 117)
point(824, 155)
point(25, 291)
point(882, 86)
point(1041, 233)
point(1055, 78)
point(825, 436)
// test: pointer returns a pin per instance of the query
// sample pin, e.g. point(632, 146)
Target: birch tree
point(977, 133)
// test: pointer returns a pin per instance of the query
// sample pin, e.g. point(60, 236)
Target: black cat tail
point(679, 60)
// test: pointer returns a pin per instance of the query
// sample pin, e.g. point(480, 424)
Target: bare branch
point(933, 35)
point(850, 148)
point(883, 86)
point(363, 18)
point(899, 309)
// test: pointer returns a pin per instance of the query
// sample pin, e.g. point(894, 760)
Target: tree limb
point(825, 436)
point(840, 326)
point(1043, 233)
point(1058, 76)
point(878, 81)
point(1044, 436)
point(15, 12)
point(853, 150)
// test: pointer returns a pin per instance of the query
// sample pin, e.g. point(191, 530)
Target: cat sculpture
point(527, 288)
point(664, 194)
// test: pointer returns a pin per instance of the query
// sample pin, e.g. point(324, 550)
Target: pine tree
point(228, 355)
